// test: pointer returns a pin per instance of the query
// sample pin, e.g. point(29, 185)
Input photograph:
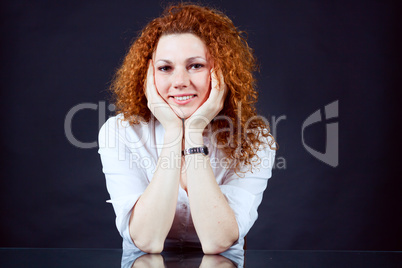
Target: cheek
point(161, 85)
point(205, 85)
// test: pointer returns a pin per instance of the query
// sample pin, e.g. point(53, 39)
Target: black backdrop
point(61, 55)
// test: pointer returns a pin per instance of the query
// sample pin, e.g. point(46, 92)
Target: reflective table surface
point(20, 257)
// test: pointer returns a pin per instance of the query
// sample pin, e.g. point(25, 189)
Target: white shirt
point(129, 154)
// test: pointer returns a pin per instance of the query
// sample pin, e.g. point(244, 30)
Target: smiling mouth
point(183, 98)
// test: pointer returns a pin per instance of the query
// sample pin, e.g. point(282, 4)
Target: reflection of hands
point(211, 107)
point(156, 260)
point(158, 107)
point(149, 260)
point(216, 261)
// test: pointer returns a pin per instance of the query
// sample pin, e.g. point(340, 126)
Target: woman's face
point(182, 72)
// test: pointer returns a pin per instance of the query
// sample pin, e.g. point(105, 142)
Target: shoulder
point(264, 148)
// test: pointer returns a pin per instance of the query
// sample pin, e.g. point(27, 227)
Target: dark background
point(58, 54)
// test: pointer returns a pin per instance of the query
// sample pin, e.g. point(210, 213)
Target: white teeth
point(182, 98)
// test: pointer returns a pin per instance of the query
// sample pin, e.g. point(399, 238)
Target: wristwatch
point(196, 150)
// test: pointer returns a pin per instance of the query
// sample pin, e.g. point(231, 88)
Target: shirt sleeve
point(125, 182)
point(244, 191)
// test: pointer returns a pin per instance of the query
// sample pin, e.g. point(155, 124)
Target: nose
point(181, 78)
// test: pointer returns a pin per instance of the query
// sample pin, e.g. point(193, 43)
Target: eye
point(196, 66)
point(165, 68)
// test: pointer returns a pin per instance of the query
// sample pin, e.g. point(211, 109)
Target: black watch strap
point(196, 150)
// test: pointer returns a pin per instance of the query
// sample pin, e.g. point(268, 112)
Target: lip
point(183, 102)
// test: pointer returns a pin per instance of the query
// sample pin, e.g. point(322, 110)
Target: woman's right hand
point(158, 107)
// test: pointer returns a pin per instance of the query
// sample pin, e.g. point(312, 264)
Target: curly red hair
point(231, 56)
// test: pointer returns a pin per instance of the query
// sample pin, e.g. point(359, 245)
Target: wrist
point(173, 137)
point(193, 139)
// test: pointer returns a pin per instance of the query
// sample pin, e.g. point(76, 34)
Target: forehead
point(180, 45)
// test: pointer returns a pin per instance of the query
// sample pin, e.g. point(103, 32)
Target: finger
point(150, 84)
point(214, 79)
point(214, 84)
point(223, 87)
point(147, 80)
point(222, 90)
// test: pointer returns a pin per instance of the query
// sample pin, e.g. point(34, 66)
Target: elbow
point(150, 246)
point(146, 242)
point(220, 244)
point(217, 247)
point(214, 249)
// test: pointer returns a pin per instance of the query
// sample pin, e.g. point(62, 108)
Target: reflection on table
point(99, 258)
point(139, 259)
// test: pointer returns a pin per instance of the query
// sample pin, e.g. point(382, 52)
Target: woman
point(186, 159)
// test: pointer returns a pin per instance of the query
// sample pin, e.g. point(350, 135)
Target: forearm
point(154, 211)
point(213, 218)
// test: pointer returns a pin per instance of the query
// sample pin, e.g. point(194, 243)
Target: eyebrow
point(167, 61)
point(195, 58)
point(187, 60)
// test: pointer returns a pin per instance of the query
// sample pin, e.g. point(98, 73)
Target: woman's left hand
point(210, 108)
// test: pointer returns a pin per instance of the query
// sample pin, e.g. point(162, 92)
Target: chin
point(183, 113)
